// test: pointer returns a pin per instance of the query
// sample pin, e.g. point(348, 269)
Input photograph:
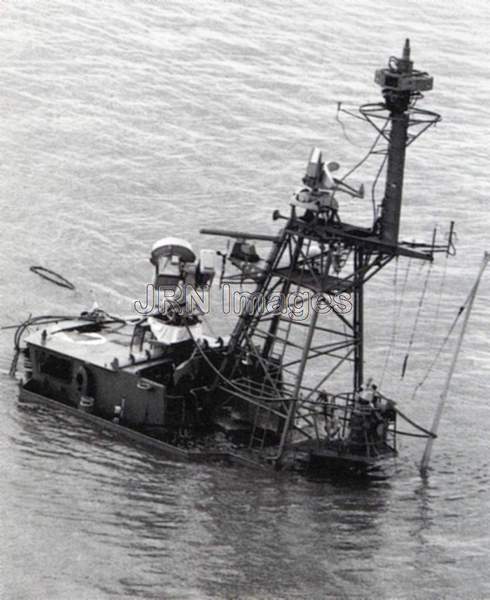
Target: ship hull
point(27, 396)
point(162, 400)
point(324, 460)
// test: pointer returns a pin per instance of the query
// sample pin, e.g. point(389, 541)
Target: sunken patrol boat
point(280, 390)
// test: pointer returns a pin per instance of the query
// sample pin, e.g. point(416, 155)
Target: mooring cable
point(49, 320)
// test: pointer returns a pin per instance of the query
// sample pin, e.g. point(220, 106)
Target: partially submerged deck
point(174, 452)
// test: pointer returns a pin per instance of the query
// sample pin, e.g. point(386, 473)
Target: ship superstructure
point(288, 385)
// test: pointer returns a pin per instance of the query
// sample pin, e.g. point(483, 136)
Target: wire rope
point(442, 346)
point(52, 276)
point(394, 328)
point(417, 316)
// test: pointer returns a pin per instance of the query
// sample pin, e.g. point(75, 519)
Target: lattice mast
point(319, 253)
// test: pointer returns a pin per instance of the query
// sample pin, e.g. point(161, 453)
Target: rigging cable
point(393, 332)
point(442, 346)
point(414, 330)
point(438, 307)
point(344, 129)
point(373, 187)
point(220, 375)
point(366, 156)
point(397, 318)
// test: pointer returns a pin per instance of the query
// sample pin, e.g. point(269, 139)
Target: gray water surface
point(124, 122)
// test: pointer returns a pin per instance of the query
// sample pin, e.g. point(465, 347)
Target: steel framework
point(303, 322)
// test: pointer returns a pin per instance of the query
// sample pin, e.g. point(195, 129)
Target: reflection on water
point(143, 524)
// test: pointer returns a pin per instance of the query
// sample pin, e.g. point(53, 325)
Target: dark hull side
point(180, 454)
point(336, 463)
point(307, 459)
point(162, 400)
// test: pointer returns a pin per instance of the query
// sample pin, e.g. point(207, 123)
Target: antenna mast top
point(406, 56)
point(401, 85)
